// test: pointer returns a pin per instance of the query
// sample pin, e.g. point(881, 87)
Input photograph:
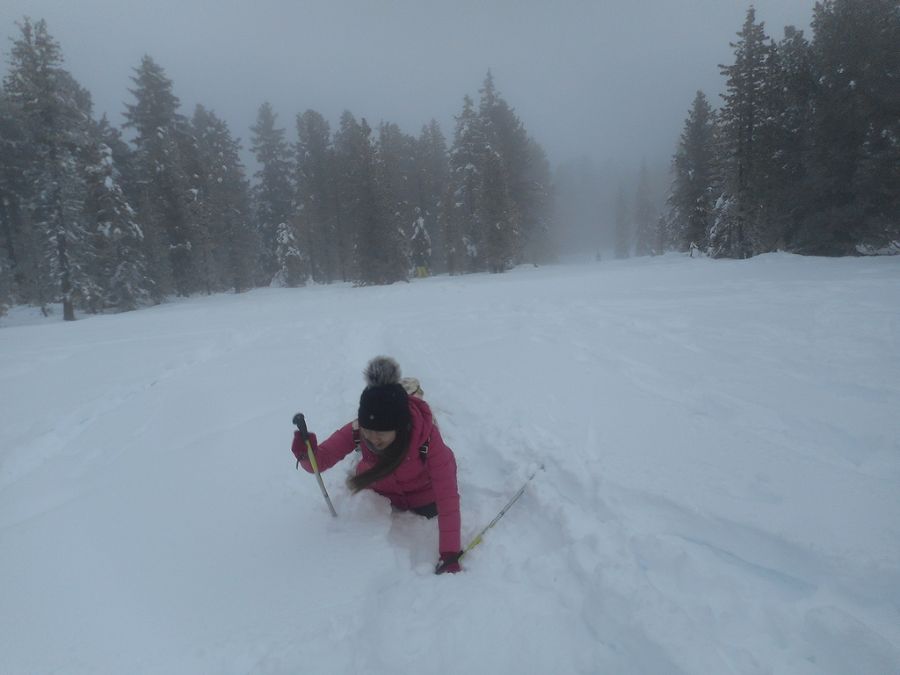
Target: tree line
point(804, 153)
point(98, 223)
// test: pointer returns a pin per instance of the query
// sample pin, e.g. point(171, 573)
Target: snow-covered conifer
point(55, 113)
point(273, 192)
point(695, 179)
point(163, 185)
point(315, 198)
point(121, 269)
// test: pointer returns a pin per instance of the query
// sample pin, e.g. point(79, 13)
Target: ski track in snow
point(720, 489)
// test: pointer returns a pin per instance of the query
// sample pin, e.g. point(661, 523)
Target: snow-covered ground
point(721, 492)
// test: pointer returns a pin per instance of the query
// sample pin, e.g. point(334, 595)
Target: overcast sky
point(608, 78)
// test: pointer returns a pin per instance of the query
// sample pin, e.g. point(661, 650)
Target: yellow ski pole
point(479, 537)
point(300, 421)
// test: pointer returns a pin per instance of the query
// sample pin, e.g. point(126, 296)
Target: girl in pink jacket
point(403, 457)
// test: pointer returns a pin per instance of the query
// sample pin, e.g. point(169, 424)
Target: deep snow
point(721, 492)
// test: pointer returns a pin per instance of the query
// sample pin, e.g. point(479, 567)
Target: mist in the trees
point(798, 152)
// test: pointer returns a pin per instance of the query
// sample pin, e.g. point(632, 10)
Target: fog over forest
point(151, 151)
point(604, 84)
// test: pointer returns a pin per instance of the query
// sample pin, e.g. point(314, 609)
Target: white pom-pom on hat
point(382, 370)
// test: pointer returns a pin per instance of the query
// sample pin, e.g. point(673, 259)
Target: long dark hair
point(388, 461)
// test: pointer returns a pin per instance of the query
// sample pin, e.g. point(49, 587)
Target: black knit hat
point(384, 403)
point(384, 408)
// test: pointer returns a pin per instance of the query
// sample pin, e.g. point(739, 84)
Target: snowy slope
point(721, 492)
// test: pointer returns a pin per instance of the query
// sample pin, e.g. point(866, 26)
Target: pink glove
point(298, 447)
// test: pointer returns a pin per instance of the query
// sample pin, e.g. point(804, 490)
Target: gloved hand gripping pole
point(300, 421)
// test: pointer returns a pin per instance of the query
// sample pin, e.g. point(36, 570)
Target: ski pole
point(300, 421)
point(478, 538)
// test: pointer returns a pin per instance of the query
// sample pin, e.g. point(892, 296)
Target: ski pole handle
point(300, 423)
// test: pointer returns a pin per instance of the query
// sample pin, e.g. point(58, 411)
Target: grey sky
point(609, 78)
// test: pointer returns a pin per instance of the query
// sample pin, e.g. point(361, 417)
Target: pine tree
point(368, 219)
point(431, 181)
point(163, 185)
point(742, 118)
point(202, 273)
point(231, 250)
point(351, 145)
point(291, 265)
point(645, 221)
point(505, 160)
point(123, 158)
point(779, 142)
point(273, 194)
point(201, 164)
point(497, 216)
point(56, 115)
point(691, 200)
point(6, 282)
point(790, 89)
point(536, 205)
point(15, 252)
point(450, 222)
point(11, 188)
point(502, 186)
point(855, 154)
point(463, 231)
point(380, 255)
point(396, 153)
point(315, 196)
point(120, 272)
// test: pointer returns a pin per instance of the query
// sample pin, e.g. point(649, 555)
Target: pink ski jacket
point(416, 482)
